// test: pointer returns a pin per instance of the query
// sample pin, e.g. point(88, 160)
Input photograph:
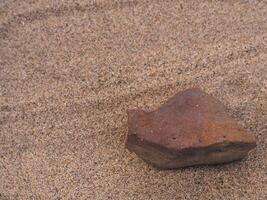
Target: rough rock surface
point(192, 128)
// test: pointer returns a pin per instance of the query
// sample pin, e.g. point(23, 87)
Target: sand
point(69, 72)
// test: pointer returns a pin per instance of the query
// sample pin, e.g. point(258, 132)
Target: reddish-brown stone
point(191, 128)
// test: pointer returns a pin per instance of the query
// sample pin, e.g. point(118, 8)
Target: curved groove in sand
point(105, 98)
point(217, 61)
point(100, 104)
point(42, 14)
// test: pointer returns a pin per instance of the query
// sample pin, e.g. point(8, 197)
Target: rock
point(191, 128)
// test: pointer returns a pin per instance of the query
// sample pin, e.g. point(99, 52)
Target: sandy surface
point(69, 71)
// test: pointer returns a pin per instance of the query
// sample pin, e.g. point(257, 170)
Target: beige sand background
point(70, 70)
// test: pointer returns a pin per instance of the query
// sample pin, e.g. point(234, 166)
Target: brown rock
point(191, 128)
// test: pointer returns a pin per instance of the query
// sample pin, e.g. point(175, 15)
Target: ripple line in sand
point(105, 98)
point(217, 60)
point(42, 14)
